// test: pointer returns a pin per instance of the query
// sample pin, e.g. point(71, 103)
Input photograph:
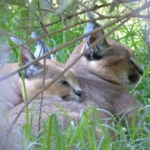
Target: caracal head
point(39, 74)
point(110, 59)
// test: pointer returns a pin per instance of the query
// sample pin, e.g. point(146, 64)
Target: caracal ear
point(101, 49)
point(41, 48)
point(27, 57)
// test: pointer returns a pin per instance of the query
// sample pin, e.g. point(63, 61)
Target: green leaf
point(51, 122)
point(57, 132)
point(68, 22)
point(4, 45)
point(64, 6)
point(16, 2)
point(25, 17)
point(2, 6)
point(32, 10)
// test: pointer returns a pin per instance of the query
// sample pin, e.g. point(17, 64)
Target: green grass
point(82, 135)
point(79, 135)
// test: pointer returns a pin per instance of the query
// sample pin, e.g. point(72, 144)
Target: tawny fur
point(65, 88)
point(103, 79)
point(58, 90)
point(12, 91)
point(103, 88)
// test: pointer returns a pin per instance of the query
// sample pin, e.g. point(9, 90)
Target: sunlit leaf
point(64, 6)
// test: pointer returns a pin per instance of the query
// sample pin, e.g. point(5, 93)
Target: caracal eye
point(65, 83)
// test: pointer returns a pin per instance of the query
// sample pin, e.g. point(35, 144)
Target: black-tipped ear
point(27, 57)
point(41, 48)
point(90, 27)
point(98, 51)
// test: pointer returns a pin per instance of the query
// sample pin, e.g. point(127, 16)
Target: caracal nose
point(79, 92)
point(141, 71)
